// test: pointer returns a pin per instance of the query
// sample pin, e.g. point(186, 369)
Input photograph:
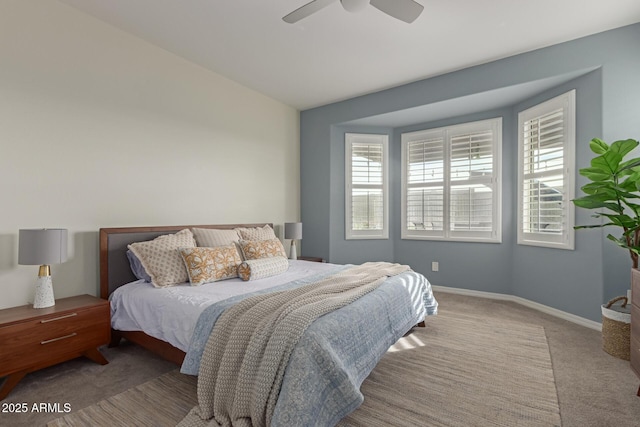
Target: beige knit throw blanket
point(245, 358)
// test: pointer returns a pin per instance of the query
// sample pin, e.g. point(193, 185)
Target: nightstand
point(311, 258)
point(32, 339)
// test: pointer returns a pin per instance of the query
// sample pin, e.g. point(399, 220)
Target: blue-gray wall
point(604, 71)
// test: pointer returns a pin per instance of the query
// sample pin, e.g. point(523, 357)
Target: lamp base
point(44, 293)
point(293, 253)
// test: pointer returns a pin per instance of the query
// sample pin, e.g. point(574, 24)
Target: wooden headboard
point(114, 265)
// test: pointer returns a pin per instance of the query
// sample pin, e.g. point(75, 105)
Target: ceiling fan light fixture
point(404, 10)
point(354, 5)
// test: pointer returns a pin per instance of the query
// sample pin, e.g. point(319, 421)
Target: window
point(366, 178)
point(450, 182)
point(546, 155)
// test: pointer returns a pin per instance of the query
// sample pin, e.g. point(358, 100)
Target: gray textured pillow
point(210, 238)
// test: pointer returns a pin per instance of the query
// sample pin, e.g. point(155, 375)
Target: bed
point(180, 334)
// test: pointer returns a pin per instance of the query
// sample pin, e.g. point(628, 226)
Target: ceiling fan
point(404, 10)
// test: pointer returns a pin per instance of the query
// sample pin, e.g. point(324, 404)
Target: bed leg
point(115, 338)
point(421, 324)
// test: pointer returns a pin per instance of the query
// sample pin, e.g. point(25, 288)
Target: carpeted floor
point(592, 387)
point(469, 373)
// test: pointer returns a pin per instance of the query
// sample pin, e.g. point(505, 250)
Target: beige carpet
point(458, 371)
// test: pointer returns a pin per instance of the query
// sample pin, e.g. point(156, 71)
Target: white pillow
point(255, 269)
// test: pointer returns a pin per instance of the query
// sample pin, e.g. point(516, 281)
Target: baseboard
point(522, 301)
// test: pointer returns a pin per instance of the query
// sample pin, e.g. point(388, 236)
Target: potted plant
point(614, 191)
point(614, 188)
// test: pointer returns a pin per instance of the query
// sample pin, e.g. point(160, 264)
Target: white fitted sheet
point(171, 313)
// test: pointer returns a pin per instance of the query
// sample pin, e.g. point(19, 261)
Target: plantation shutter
point(450, 182)
point(366, 186)
point(545, 184)
point(425, 207)
point(471, 173)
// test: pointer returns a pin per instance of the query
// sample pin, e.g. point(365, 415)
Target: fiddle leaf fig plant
point(614, 191)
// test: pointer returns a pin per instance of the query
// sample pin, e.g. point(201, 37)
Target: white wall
point(101, 129)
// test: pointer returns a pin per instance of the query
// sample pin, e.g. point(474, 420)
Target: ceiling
point(335, 55)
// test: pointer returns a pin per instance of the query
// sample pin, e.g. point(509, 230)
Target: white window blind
point(450, 178)
point(366, 186)
point(425, 183)
point(545, 182)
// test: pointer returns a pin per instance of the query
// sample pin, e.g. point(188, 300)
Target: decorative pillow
point(257, 233)
point(206, 265)
point(256, 249)
point(210, 238)
point(255, 269)
point(161, 259)
point(136, 267)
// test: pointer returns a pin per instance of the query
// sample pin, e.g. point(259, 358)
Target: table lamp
point(43, 247)
point(293, 231)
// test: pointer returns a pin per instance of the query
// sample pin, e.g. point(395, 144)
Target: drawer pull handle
point(58, 318)
point(58, 339)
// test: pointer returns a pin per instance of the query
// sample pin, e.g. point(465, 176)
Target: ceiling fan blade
point(404, 10)
point(306, 10)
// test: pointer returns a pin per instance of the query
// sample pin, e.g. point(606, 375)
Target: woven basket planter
point(616, 328)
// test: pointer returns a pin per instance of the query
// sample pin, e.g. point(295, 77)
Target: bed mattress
point(170, 314)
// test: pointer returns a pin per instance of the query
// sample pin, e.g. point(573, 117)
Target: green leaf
point(620, 242)
point(598, 185)
point(596, 174)
point(624, 147)
point(609, 161)
point(626, 195)
point(578, 227)
point(629, 164)
point(631, 182)
point(633, 206)
point(621, 220)
point(593, 202)
point(598, 146)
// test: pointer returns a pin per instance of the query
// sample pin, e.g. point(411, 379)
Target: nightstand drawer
point(31, 342)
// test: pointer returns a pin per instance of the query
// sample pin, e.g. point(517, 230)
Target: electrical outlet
point(435, 266)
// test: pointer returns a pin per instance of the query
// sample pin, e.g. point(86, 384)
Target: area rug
point(460, 370)
point(463, 371)
point(163, 401)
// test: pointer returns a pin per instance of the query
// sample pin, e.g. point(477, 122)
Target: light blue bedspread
point(338, 351)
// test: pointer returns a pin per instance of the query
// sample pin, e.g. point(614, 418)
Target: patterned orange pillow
point(206, 265)
point(257, 249)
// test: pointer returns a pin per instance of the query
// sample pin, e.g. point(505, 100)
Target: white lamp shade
point(42, 246)
point(293, 230)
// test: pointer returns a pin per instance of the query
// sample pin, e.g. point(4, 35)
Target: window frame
point(448, 132)
point(566, 240)
point(383, 140)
